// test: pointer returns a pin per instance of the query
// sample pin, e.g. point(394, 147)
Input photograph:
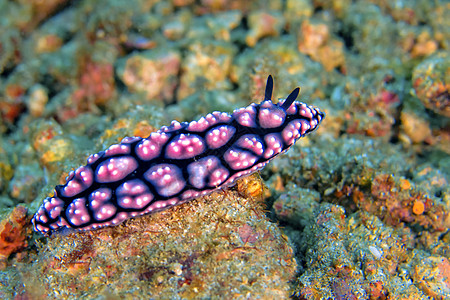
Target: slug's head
point(295, 118)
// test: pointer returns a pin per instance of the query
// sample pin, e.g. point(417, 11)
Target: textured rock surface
point(377, 68)
point(221, 244)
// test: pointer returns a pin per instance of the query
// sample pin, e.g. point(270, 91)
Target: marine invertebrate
point(176, 164)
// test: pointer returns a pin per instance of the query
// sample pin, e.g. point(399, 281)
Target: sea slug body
point(175, 164)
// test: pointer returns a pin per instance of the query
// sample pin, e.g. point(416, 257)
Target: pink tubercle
point(99, 197)
point(114, 169)
point(270, 115)
point(77, 212)
point(85, 175)
point(132, 187)
point(72, 188)
point(251, 142)
point(104, 212)
point(289, 134)
point(130, 139)
point(166, 178)
point(210, 120)
point(79, 180)
point(238, 159)
point(94, 157)
point(274, 145)
point(305, 111)
point(117, 149)
point(135, 202)
point(185, 146)
point(246, 116)
point(150, 147)
point(189, 194)
point(219, 136)
point(218, 176)
point(208, 169)
point(40, 215)
point(292, 110)
point(174, 126)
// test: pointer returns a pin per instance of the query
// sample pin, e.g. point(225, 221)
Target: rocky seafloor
point(359, 209)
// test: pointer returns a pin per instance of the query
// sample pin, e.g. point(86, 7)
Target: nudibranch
point(175, 164)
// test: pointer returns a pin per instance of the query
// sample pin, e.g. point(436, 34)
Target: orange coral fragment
point(418, 207)
point(405, 184)
point(394, 203)
point(251, 186)
point(13, 233)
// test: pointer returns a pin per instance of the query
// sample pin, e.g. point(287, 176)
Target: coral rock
point(433, 275)
point(13, 233)
point(221, 244)
point(152, 73)
point(431, 83)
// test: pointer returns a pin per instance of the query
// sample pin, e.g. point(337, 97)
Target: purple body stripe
point(176, 164)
